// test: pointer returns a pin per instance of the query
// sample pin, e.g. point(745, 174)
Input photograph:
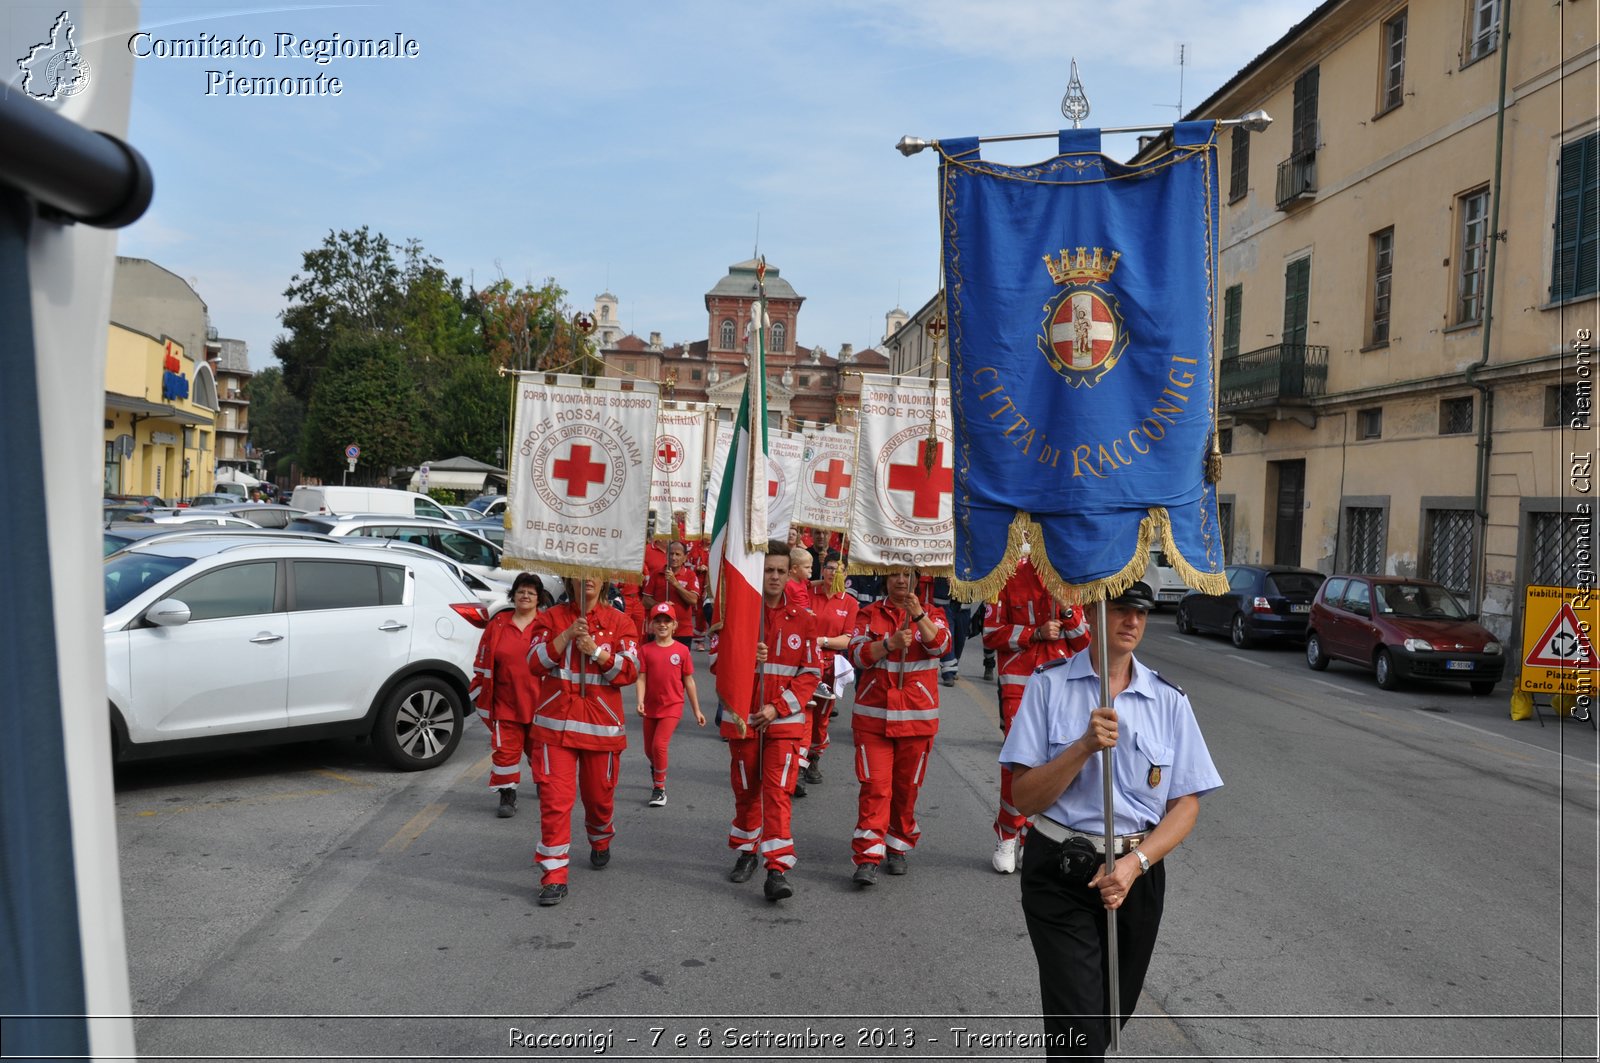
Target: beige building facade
point(157, 442)
point(1407, 294)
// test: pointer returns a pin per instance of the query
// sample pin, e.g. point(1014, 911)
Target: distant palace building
point(803, 383)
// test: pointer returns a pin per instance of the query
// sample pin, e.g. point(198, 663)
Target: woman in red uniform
point(504, 692)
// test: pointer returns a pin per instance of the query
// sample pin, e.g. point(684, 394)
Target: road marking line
point(1342, 690)
point(1246, 660)
point(413, 829)
point(480, 768)
point(350, 779)
point(1578, 762)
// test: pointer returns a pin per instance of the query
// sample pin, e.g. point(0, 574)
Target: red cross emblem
point(667, 452)
point(833, 479)
point(935, 328)
point(928, 480)
point(578, 471)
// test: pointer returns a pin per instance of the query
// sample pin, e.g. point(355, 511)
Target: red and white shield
point(1083, 330)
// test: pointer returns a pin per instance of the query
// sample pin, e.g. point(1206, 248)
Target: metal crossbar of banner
point(1254, 122)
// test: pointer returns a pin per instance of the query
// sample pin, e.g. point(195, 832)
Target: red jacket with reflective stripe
point(484, 682)
point(1011, 619)
point(580, 704)
point(910, 677)
point(789, 676)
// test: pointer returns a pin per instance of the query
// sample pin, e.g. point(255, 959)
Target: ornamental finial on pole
point(1075, 104)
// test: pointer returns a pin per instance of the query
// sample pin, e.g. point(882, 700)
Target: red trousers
point(657, 736)
point(819, 710)
point(567, 773)
point(891, 771)
point(763, 771)
point(1008, 822)
point(510, 741)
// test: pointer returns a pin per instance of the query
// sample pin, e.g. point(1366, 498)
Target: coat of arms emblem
point(1083, 333)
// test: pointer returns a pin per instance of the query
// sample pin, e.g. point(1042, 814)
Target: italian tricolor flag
point(739, 532)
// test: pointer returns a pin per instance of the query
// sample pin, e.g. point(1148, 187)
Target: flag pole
point(1255, 122)
point(1102, 646)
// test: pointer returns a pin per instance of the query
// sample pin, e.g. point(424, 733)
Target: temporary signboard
point(1558, 626)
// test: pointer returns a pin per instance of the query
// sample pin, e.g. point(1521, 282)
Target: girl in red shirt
point(666, 677)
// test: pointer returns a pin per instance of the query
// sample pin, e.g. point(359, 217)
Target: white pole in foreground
point(1103, 667)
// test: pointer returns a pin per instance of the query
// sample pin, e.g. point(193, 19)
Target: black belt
point(1058, 833)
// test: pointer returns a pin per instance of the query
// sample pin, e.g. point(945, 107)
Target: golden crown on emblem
point(1082, 269)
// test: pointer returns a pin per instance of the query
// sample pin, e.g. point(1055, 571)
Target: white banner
point(719, 465)
point(679, 469)
point(785, 459)
point(580, 475)
point(901, 512)
point(827, 471)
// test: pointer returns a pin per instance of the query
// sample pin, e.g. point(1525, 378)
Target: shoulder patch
point(1046, 666)
point(1168, 682)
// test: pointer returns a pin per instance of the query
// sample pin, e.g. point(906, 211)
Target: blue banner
point(1080, 295)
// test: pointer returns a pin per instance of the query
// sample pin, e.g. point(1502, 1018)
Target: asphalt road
point(1385, 875)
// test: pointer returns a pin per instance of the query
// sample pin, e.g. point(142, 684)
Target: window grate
point(1552, 544)
point(1449, 548)
point(1366, 539)
point(1455, 416)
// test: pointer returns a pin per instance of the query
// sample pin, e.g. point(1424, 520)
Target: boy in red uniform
point(666, 676)
point(586, 652)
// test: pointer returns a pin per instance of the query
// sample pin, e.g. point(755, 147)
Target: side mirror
point(168, 612)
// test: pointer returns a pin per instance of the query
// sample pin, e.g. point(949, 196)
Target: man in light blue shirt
point(1160, 769)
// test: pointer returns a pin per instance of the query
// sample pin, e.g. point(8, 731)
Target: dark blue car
point(1263, 602)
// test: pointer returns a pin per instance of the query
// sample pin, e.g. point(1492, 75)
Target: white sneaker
point(1005, 856)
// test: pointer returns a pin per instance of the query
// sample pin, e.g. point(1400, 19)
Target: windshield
point(1420, 600)
point(128, 574)
point(1293, 584)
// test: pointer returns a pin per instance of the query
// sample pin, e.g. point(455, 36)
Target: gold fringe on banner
point(1025, 529)
point(566, 571)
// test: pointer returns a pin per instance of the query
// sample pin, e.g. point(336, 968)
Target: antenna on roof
point(1180, 56)
point(756, 252)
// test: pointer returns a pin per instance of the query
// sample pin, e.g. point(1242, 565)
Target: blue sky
point(633, 145)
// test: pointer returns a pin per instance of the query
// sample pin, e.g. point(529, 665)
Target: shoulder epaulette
point(1046, 666)
point(1169, 682)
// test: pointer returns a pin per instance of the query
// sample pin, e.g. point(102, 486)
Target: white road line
point(1342, 690)
point(1247, 660)
point(1582, 765)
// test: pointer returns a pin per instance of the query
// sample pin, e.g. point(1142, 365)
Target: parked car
point(472, 551)
point(1262, 602)
point(494, 530)
point(495, 594)
point(213, 499)
point(146, 500)
point(204, 515)
point(1402, 629)
point(223, 640)
point(462, 514)
point(335, 498)
point(121, 534)
point(264, 514)
point(489, 505)
point(1163, 579)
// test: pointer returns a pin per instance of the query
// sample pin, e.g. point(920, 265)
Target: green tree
point(473, 408)
point(365, 394)
point(351, 283)
point(276, 417)
point(531, 328)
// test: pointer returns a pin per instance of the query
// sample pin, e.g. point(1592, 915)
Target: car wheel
point(1481, 687)
point(1383, 666)
point(1185, 625)
point(1314, 655)
point(420, 725)
point(1238, 632)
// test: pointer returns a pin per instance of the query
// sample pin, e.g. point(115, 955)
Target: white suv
point(224, 641)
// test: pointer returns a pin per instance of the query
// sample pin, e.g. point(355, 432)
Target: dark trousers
point(955, 618)
point(1067, 925)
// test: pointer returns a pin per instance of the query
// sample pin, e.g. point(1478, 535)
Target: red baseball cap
point(663, 609)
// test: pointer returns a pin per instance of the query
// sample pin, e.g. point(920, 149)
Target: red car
point(1402, 629)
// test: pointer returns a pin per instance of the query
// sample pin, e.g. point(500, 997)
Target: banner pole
point(1103, 666)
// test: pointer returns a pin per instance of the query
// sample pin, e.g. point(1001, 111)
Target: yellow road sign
point(1559, 625)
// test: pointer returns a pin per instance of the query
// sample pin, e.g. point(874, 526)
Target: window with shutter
point(1577, 227)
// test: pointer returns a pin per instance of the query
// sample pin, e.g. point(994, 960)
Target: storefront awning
point(134, 404)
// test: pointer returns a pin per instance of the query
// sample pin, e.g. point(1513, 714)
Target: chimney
point(847, 352)
point(655, 341)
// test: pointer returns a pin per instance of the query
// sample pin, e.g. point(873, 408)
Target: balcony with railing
point(1271, 382)
point(1297, 178)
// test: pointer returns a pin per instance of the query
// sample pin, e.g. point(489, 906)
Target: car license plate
point(1459, 666)
point(1299, 607)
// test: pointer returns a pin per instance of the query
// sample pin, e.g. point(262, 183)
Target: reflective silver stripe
point(862, 750)
point(873, 850)
point(900, 844)
point(541, 650)
point(792, 701)
point(616, 664)
point(785, 861)
point(867, 834)
point(599, 730)
point(777, 843)
point(896, 715)
point(744, 780)
point(485, 672)
point(1010, 810)
point(922, 766)
point(1014, 680)
point(784, 669)
point(746, 835)
point(1032, 619)
point(901, 667)
point(783, 776)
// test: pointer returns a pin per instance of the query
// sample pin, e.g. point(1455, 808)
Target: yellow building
point(159, 425)
point(1408, 294)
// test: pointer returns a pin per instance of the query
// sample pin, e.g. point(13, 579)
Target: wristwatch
point(598, 650)
point(1144, 864)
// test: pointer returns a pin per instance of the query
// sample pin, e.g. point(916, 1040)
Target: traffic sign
point(352, 452)
point(424, 475)
point(1558, 655)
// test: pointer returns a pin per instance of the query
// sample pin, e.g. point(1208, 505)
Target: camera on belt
point(1079, 861)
